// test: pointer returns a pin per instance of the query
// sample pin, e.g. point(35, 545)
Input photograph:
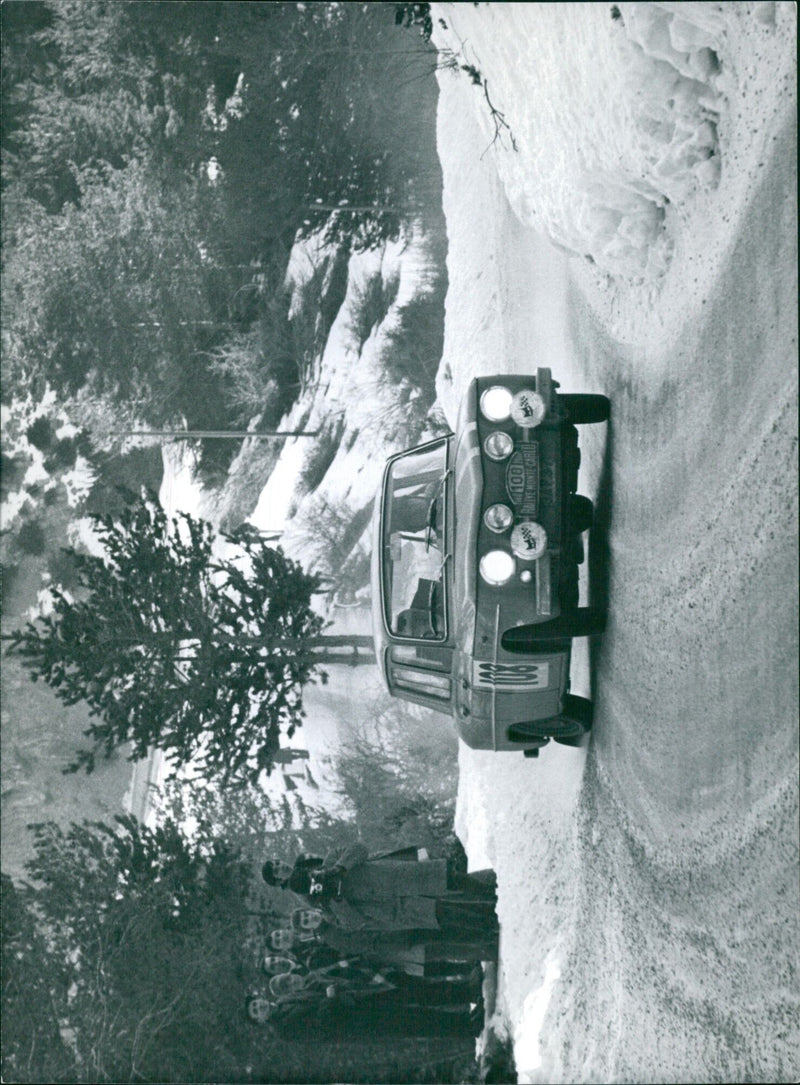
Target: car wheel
point(581, 513)
point(579, 712)
point(569, 590)
point(578, 709)
point(572, 458)
point(575, 741)
point(558, 727)
point(584, 409)
point(580, 622)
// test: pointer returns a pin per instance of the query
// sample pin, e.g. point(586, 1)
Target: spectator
point(389, 893)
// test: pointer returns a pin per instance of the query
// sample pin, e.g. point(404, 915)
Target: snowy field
point(641, 240)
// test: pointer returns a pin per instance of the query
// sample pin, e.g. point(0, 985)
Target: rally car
point(477, 542)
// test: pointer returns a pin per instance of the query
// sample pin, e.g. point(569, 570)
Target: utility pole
point(355, 209)
point(214, 434)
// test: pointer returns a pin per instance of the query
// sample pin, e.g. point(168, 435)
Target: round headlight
point(498, 445)
point(498, 517)
point(527, 408)
point(497, 567)
point(529, 540)
point(496, 403)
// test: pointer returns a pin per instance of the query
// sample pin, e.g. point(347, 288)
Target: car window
point(413, 544)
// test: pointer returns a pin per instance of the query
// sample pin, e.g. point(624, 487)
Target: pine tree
point(175, 645)
point(125, 957)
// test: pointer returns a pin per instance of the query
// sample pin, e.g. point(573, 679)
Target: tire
point(581, 513)
point(557, 633)
point(583, 409)
point(580, 712)
point(568, 728)
point(572, 457)
point(568, 592)
point(573, 466)
point(578, 709)
point(558, 727)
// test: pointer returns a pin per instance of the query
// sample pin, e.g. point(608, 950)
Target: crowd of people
point(390, 944)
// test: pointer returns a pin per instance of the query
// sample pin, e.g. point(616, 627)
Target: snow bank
point(612, 139)
point(350, 388)
point(15, 419)
point(526, 1037)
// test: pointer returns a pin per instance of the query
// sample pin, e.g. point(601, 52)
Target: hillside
point(366, 337)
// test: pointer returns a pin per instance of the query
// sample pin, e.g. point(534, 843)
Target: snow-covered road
point(648, 885)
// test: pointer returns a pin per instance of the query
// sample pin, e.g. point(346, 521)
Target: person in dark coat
point(379, 1015)
point(417, 952)
point(386, 893)
point(365, 1012)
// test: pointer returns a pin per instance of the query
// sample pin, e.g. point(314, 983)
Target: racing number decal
point(512, 677)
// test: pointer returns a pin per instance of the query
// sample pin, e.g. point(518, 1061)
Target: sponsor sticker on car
point(522, 479)
point(510, 677)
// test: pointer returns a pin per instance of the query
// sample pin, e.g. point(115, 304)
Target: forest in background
point(151, 152)
point(160, 159)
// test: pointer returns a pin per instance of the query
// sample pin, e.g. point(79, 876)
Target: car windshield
point(413, 543)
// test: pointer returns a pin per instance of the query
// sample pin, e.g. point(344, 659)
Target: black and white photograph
point(399, 542)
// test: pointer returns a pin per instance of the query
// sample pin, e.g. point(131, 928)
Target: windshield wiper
point(434, 611)
point(430, 520)
point(430, 524)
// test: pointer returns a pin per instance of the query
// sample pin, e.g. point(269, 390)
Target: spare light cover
point(497, 567)
point(498, 445)
point(496, 403)
point(529, 540)
point(528, 408)
point(498, 518)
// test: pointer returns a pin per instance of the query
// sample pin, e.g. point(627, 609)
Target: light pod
point(496, 403)
point(527, 408)
point(529, 540)
point(498, 518)
point(498, 445)
point(497, 567)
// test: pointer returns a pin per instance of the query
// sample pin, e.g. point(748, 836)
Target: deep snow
point(648, 885)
